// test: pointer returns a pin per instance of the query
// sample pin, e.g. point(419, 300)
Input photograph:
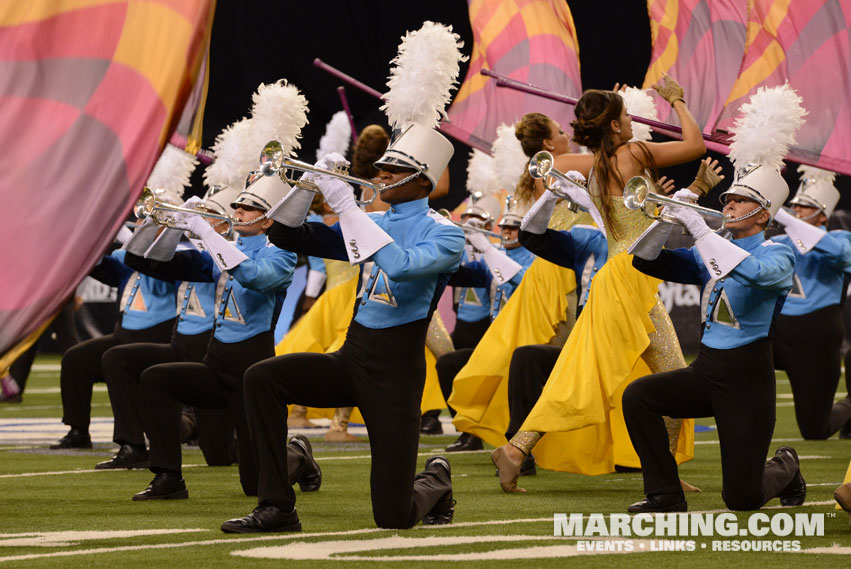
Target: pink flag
point(90, 92)
point(806, 44)
point(529, 40)
point(701, 44)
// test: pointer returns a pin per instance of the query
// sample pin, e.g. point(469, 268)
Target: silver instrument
point(445, 213)
point(273, 160)
point(638, 194)
point(542, 167)
point(149, 206)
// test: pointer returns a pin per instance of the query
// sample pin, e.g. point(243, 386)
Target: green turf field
point(58, 512)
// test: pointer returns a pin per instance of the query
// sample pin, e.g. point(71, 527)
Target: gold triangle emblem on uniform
point(723, 313)
point(381, 291)
point(502, 300)
point(138, 302)
point(797, 288)
point(193, 305)
point(232, 312)
point(470, 297)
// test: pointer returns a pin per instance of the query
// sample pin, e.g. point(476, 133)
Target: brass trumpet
point(445, 213)
point(542, 166)
point(638, 194)
point(273, 160)
point(149, 206)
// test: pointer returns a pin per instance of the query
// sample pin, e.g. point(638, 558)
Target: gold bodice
point(629, 223)
point(563, 219)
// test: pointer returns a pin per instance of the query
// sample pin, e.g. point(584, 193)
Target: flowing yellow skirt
point(579, 408)
point(323, 330)
point(531, 316)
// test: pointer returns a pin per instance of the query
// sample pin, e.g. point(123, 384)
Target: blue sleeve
point(675, 265)
point(112, 269)
point(316, 264)
point(475, 274)
point(272, 269)
point(769, 271)
point(187, 265)
point(312, 239)
point(557, 247)
point(836, 248)
point(438, 252)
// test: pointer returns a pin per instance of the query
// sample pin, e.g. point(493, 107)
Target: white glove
point(582, 198)
point(223, 252)
point(685, 195)
point(338, 194)
point(192, 202)
point(538, 217)
point(196, 224)
point(803, 235)
point(331, 160)
point(479, 241)
point(691, 219)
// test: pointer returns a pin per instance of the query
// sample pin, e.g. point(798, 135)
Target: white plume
point(425, 71)
point(815, 175)
point(338, 133)
point(235, 156)
point(766, 128)
point(639, 103)
point(509, 160)
point(172, 171)
point(279, 113)
point(481, 174)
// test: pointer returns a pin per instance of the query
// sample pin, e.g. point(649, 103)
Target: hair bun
point(587, 133)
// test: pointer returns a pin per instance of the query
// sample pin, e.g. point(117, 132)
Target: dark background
point(260, 42)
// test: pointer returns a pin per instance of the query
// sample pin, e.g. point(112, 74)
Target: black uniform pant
point(467, 334)
point(82, 367)
point(65, 327)
point(527, 374)
point(382, 372)
point(735, 386)
point(217, 383)
point(448, 366)
point(808, 348)
point(123, 366)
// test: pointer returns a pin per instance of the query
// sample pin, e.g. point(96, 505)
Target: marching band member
point(500, 271)
point(123, 365)
point(381, 366)
point(807, 335)
point(744, 282)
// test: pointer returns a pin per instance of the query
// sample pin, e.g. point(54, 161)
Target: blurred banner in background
point(529, 40)
point(91, 90)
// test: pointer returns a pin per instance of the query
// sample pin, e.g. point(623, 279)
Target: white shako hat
point(278, 114)
point(762, 135)
point(512, 216)
point(423, 74)
point(420, 148)
point(761, 184)
point(817, 190)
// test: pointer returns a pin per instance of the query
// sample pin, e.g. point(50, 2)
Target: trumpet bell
point(146, 204)
point(541, 165)
point(635, 192)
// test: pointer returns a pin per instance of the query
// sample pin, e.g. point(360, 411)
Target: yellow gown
point(542, 310)
point(622, 334)
point(323, 330)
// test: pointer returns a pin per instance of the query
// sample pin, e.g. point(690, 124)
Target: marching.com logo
point(689, 525)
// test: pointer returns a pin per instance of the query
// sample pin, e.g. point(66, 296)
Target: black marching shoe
point(465, 442)
point(796, 492)
point(164, 486)
point(128, 457)
point(311, 478)
point(76, 438)
point(654, 503)
point(430, 425)
point(266, 518)
point(444, 510)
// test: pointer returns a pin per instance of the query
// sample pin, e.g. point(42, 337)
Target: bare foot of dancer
point(688, 487)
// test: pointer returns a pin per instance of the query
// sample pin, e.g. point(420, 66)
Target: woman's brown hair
point(370, 146)
point(595, 112)
point(531, 130)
